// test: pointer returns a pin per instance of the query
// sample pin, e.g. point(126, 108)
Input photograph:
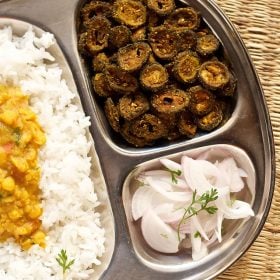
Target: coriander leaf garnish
point(202, 201)
point(62, 261)
point(174, 173)
point(197, 234)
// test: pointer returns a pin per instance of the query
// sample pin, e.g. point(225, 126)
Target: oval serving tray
point(249, 129)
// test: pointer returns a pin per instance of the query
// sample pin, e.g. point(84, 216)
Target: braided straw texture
point(258, 23)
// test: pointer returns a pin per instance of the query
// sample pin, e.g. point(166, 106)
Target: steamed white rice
point(68, 198)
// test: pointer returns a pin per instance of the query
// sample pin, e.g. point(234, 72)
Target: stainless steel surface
point(249, 128)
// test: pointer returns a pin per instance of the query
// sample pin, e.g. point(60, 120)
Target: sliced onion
point(170, 164)
point(232, 173)
point(212, 239)
point(199, 248)
point(209, 222)
point(239, 209)
point(165, 176)
point(198, 227)
point(169, 213)
point(220, 217)
point(157, 173)
point(157, 186)
point(160, 236)
point(194, 176)
point(143, 199)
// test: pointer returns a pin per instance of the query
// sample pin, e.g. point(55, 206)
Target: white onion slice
point(160, 236)
point(168, 213)
point(170, 164)
point(199, 248)
point(220, 217)
point(157, 186)
point(232, 173)
point(198, 227)
point(165, 176)
point(194, 176)
point(239, 209)
point(143, 199)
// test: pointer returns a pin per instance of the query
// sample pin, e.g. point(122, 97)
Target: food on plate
point(207, 44)
point(149, 127)
point(99, 62)
point(95, 8)
point(153, 76)
point(21, 138)
point(201, 101)
point(186, 66)
point(164, 42)
point(183, 204)
point(187, 39)
point(183, 19)
point(128, 134)
point(212, 119)
point(161, 7)
point(119, 36)
point(130, 12)
point(47, 204)
point(97, 35)
point(172, 100)
point(214, 74)
point(187, 124)
point(121, 81)
point(112, 114)
point(132, 57)
point(132, 106)
point(160, 53)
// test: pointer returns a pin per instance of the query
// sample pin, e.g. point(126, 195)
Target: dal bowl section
point(76, 213)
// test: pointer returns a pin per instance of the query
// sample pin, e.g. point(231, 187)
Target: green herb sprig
point(203, 202)
point(62, 261)
point(174, 174)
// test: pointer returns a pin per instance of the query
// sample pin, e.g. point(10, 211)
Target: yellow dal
point(21, 137)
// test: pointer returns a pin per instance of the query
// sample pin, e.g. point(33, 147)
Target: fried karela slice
point(149, 127)
point(161, 7)
point(95, 8)
point(187, 124)
point(121, 81)
point(211, 120)
point(112, 114)
point(119, 36)
point(133, 105)
point(130, 12)
point(133, 56)
point(153, 77)
point(97, 34)
point(183, 19)
point(207, 45)
point(186, 66)
point(171, 100)
point(214, 74)
point(164, 42)
point(201, 100)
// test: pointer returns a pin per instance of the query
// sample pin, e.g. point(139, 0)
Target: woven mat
point(258, 22)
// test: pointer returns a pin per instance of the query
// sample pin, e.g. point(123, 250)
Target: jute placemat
point(258, 22)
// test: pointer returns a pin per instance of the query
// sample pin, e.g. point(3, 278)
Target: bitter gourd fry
point(153, 77)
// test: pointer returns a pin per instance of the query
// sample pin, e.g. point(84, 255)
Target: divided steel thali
point(240, 125)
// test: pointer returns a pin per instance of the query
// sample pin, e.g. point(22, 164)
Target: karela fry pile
point(157, 69)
